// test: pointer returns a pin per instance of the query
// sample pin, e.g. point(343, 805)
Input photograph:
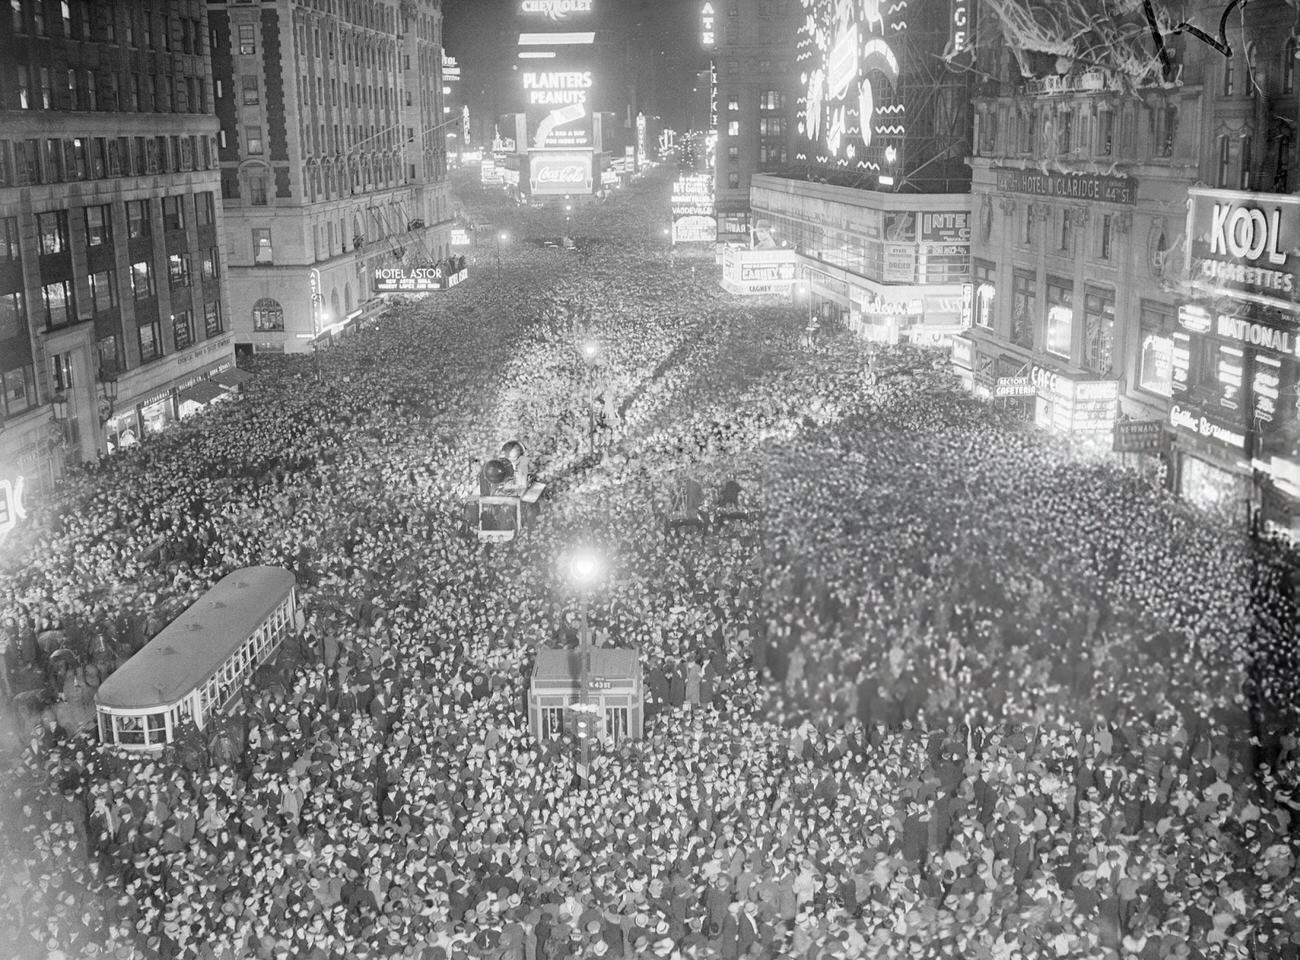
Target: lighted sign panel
point(850, 111)
point(1243, 244)
point(698, 229)
point(415, 279)
point(558, 106)
point(556, 11)
point(708, 29)
point(559, 174)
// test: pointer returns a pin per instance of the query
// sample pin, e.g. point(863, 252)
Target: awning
point(205, 391)
point(232, 377)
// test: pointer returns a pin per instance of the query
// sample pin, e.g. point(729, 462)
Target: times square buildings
point(113, 306)
point(1134, 259)
point(179, 180)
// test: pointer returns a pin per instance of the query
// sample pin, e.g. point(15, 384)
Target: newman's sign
point(1244, 245)
point(559, 174)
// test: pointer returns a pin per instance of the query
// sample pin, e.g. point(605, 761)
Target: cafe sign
point(1244, 245)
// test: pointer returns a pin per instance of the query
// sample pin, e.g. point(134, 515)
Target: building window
point(13, 315)
point(101, 291)
point(24, 87)
point(771, 126)
point(150, 336)
point(1105, 132)
point(212, 319)
point(1066, 237)
point(52, 228)
point(982, 274)
point(733, 128)
point(1103, 237)
point(1225, 158)
point(1060, 316)
point(141, 280)
point(1244, 163)
point(59, 307)
point(268, 315)
point(1288, 66)
point(733, 152)
point(247, 39)
point(1155, 363)
point(262, 252)
point(178, 270)
point(733, 103)
point(183, 329)
point(1065, 131)
point(1229, 76)
point(211, 266)
point(1027, 224)
point(1028, 130)
point(10, 249)
point(1024, 298)
point(771, 100)
point(252, 94)
point(733, 181)
point(1281, 176)
point(253, 141)
point(19, 390)
point(257, 190)
point(173, 212)
point(1099, 329)
point(137, 219)
point(204, 208)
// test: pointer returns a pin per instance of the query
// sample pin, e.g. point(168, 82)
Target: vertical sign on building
point(959, 26)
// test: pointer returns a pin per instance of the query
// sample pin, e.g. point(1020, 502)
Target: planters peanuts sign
point(1244, 245)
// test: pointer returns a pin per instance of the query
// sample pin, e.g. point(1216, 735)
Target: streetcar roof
point(191, 648)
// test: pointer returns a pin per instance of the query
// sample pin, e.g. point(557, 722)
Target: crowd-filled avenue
point(951, 688)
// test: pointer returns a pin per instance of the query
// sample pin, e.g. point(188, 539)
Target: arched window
point(268, 315)
point(1229, 76)
point(1225, 159)
point(1288, 66)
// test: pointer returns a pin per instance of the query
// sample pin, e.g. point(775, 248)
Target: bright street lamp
point(502, 237)
point(585, 569)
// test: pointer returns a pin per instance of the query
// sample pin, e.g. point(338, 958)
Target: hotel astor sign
point(1245, 245)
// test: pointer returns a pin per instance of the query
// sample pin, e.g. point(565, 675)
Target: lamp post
point(584, 570)
point(502, 236)
point(591, 353)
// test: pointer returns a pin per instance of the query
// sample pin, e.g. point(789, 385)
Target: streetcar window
point(130, 730)
point(157, 727)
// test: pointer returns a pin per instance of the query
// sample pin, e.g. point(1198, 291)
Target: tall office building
point(333, 157)
point(755, 86)
point(111, 284)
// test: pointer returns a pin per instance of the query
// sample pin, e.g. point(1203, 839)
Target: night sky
point(481, 34)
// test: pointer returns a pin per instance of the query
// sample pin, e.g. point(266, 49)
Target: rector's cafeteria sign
point(1068, 186)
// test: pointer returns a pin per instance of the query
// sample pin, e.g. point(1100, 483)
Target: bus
point(199, 663)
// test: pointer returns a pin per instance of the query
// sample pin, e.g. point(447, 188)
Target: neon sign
point(558, 87)
point(557, 9)
point(850, 111)
point(707, 32)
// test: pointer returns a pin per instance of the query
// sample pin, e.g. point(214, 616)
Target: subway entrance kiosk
point(597, 692)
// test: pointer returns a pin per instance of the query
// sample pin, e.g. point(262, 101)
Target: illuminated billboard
point(851, 114)
point(559, 174)
point(557, 103)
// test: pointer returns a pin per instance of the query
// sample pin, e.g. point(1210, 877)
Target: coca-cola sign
point(557, 174)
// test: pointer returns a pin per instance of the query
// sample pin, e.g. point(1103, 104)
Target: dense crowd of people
point(948, 689)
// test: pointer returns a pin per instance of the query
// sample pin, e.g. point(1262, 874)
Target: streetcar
point(198, 665)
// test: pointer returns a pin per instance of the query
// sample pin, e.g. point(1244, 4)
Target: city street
point(952, 691)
